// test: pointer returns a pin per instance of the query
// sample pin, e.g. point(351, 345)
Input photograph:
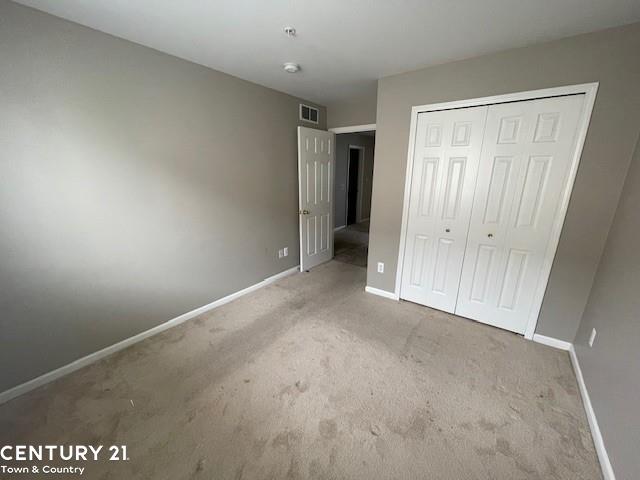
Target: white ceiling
point(343, 46)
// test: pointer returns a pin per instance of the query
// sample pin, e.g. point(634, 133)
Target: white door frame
point(589, 90)
point(361, 150)
point(354, 128)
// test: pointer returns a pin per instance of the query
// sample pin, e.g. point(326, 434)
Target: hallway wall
point(343, 141)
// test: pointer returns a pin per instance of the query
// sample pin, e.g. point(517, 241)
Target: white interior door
point(446, 156)
point(524, 169)
point(316, 161)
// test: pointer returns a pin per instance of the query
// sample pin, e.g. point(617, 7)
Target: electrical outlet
point(592, 337)
point(380, 267)
point(286, 251)
point(280, 253)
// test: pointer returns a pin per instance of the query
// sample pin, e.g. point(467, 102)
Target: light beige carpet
point(313, 378)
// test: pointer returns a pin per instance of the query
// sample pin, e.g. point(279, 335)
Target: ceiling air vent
point(308, 114)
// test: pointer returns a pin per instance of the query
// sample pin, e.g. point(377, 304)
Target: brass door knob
point(490, 235)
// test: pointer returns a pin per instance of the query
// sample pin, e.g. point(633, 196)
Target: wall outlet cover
point(286, 251)
point(380, 267)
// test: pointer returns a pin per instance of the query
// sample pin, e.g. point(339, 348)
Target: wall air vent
point(309, 114)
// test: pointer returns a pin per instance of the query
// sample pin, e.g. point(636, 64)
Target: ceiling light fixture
point(290, 31)
point(291, 67)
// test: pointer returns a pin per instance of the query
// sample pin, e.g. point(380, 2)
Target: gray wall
point(357, 109)
point(343, 141)
point(609, 57)
point(611, 368)
point(134, 187)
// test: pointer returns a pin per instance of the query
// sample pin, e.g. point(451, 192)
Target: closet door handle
point(447, 230)
point(490, 235)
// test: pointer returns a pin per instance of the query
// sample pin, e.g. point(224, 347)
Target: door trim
point(354, 128)
point(589, 90)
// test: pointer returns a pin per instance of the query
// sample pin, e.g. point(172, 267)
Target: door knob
point(447, 230)
point(490, 235)
point(304, 212)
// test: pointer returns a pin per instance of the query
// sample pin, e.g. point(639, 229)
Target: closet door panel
point(446, 156)
point(524, 167)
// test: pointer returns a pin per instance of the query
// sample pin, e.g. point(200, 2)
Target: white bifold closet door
point(485, 189)
point(445, 164)
point(524, 169)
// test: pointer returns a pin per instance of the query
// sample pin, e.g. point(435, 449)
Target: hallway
point(351, 244)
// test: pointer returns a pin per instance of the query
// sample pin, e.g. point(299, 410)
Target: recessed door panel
point(454, 187)
point(509, 131)
point(442, 266)
point(421, 246)
point(461, 134)
point(434, 135)
point(523, 171)
point(428, 186)
point(481, 272)
point(547, 127)
point(324, 232)
point(311, 235)
point(323, 182)
point(495, 204)
point(511, 281)
point(327, 180)
point(310, 182)
point(444, 169)
point(535, 181)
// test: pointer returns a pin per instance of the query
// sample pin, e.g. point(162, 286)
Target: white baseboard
point(95, 356)
point(605, 463)
point(339, 228)
point(552, 342)
point(381, 293)
point(598, 441)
